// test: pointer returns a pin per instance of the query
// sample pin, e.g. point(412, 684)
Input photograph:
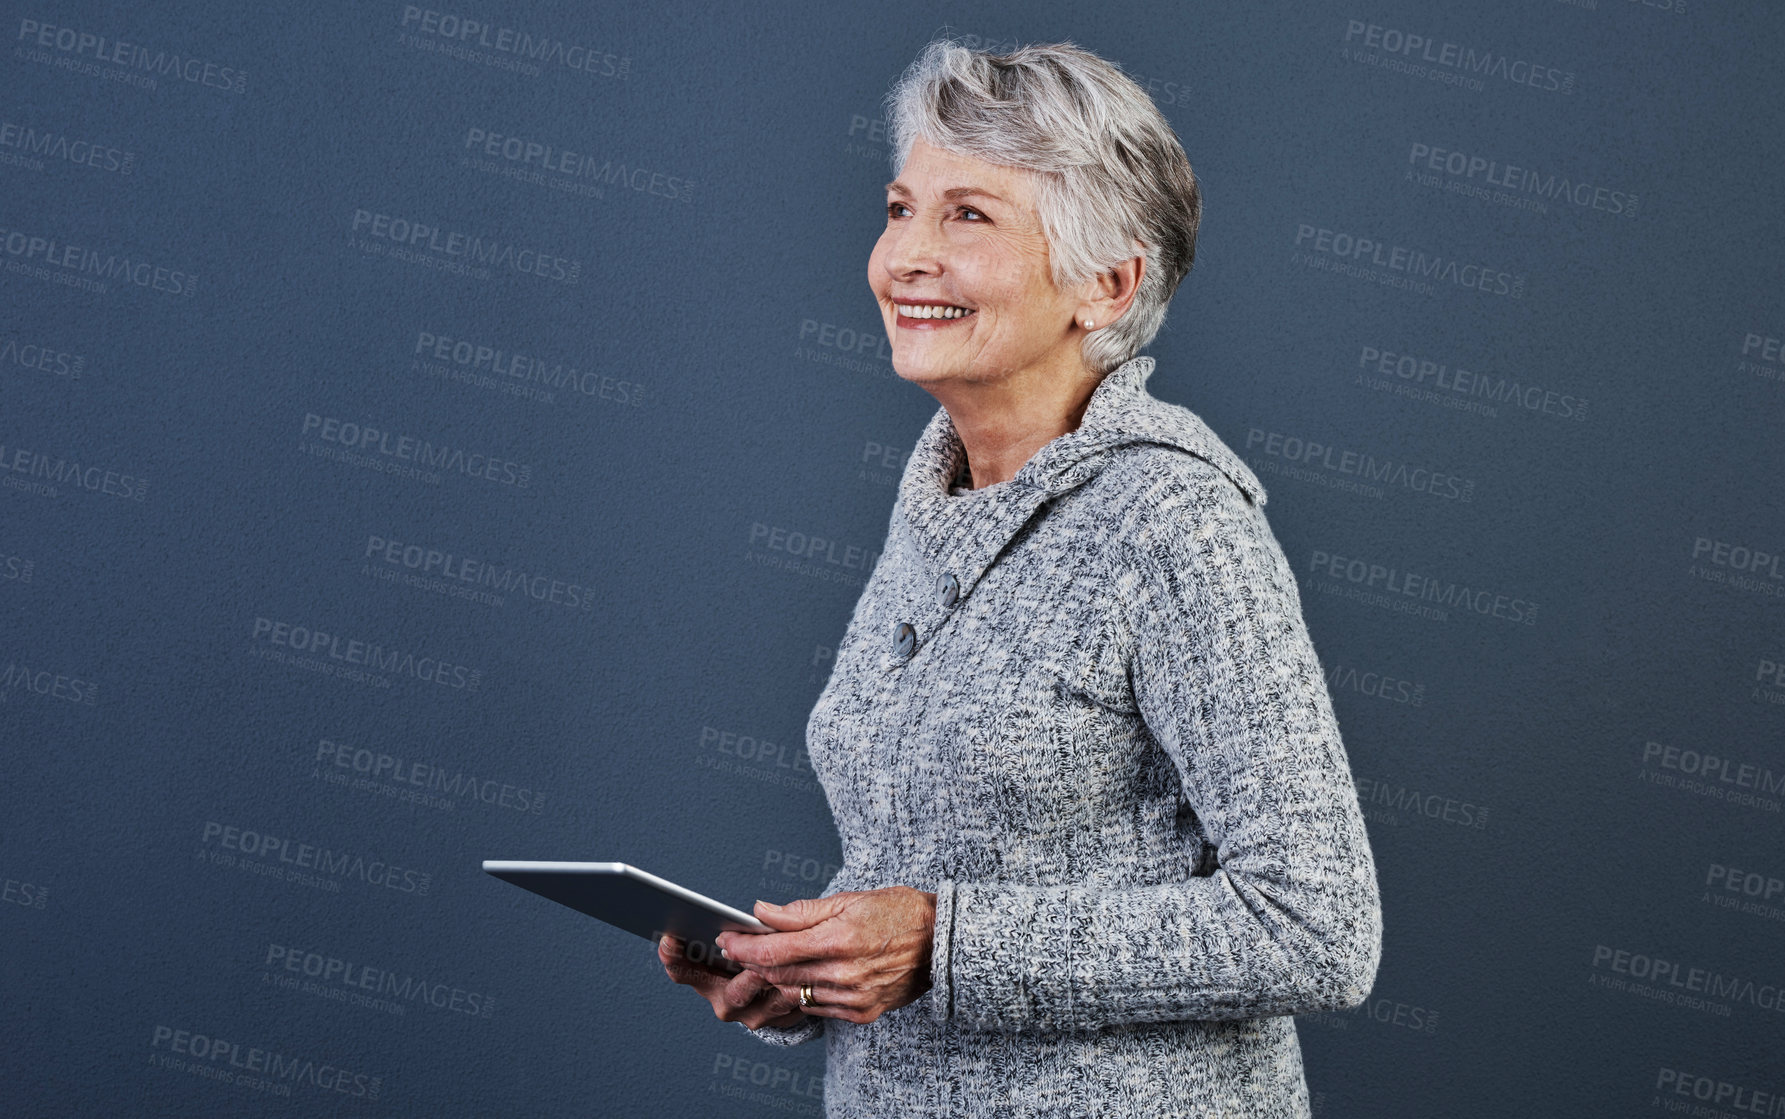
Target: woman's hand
point(742, 997)
point(864, 952)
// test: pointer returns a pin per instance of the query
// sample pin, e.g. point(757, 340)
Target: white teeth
point(932, 311)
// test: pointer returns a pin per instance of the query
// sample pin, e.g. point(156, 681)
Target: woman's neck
point(1003, 423)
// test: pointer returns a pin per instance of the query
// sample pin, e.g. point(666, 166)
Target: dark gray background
point(748, 426)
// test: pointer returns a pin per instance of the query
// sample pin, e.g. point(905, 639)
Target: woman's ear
point(1110, 293)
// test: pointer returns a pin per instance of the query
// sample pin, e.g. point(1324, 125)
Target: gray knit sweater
point(1106, 744)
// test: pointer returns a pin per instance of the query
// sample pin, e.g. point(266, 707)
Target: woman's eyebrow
point(896, 187)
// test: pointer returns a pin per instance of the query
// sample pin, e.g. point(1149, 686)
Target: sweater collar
point(963, 534)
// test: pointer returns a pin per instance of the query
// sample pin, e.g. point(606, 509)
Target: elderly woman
point(1100, 839)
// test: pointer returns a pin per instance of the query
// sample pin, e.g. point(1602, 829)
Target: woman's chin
point(926, 358)
point(919, 372)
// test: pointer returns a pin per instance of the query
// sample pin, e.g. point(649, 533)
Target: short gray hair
point(1111, 170)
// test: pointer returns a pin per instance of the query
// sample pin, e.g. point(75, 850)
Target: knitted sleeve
point(811, 1028)
point(1225, 677)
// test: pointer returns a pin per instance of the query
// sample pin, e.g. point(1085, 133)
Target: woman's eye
point(899, 209)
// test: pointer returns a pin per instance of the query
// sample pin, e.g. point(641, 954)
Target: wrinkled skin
point(864, 952)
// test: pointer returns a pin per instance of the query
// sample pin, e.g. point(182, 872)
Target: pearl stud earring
point(1089, 324)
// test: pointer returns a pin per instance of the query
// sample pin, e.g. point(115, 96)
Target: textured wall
point(429, 435)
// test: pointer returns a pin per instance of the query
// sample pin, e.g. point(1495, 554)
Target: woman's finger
point(838, 972)
point(814, 943)
point(734, 997)
point(750, 1000)
point(847, 1005)
point(698, 957)
point(682, 969)
point(741, 992)
point(780, 1000)
point(849, 998)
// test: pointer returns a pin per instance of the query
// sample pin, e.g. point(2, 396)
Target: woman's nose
point(917, 248)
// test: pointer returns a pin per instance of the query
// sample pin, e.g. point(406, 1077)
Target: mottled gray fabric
point(1112, 755)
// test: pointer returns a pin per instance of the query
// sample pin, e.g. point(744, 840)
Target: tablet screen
point(634, 900)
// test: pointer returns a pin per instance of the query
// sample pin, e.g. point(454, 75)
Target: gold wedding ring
point(806, 998)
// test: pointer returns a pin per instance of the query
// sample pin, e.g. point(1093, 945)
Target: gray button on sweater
point(1111, 753)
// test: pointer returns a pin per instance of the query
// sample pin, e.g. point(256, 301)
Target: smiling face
point(962, 276)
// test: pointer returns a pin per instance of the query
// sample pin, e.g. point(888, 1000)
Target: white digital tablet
point(634, 900)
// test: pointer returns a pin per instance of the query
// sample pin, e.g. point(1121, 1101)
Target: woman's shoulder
point(1159, 436)
point(1158, 495)
point(1191, 535)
